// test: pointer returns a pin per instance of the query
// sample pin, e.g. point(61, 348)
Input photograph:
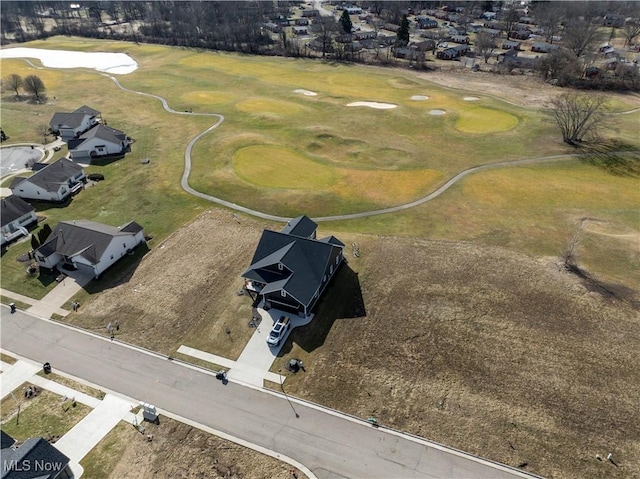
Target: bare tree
point(579, 35)
point(485, 45)
point(578, 115)
point(14, 82)
point(509, 20)
point(549, 16)
point(631, 30)
point(43, 129)
point(34, 85)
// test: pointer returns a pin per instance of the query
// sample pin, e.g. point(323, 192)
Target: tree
point(345, 22)
point(631, 30)
point(549, 16)
point(579, 35)
point(43, 129)
point(509, 20)
point(34, 85)
point(35, 244)
point(560, 65)
point(403, 33)
point(485, 45)
point(578, 115)
point(14, 82)
point(44, 233)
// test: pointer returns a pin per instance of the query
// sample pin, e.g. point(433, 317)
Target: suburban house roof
point(87, 110)
point(303, 260)
point(33, 451)
point(6, 440)
point(51, 177)
point(300, 226)
point(69, 120)
point(13, 207)
point(84, 238)
point(104, 133)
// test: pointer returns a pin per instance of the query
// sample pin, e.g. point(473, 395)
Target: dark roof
point(13, 207)
point(7, 441)
point(332, 240)
point(51, 177)
point(302, 226)
point(87, 110)
point(33, 451)
point(304, 263)
point(85, 238)
point(104, 133)
point(69, 120)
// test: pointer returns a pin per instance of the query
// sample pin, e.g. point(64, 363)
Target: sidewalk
point(15, 375)
point(84, 436)
point(63, 292)
point(256, 359)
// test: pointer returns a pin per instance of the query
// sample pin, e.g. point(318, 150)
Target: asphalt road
point(331, 445)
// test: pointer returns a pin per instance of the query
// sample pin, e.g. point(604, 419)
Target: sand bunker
point(373, 104)
point(116, 63)
point(305, 92)
point(470, 98)
point(419, 97)
point(437, 112)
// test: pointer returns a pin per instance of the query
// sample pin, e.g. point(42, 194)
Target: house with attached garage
point(87, 245)
point(73, 124)
point(17, 216)
point(291, 268)
point(98, 141)
point(55, 182)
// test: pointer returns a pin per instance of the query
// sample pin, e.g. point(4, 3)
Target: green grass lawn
point(42, 416)
point(286, 153)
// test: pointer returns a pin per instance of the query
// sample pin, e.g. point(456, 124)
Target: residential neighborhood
point(320, 238)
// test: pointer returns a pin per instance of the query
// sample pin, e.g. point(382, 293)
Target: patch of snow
point(419, 97)
point(470, 98)
point(437, 112)
point(305, 92)
point(116, 63)
point(373, 104)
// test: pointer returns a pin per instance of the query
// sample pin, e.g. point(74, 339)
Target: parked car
point(279, 331)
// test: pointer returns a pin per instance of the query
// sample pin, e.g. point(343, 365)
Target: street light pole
point(285, 393)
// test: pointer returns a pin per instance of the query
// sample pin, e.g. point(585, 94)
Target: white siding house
point(88, 245)
point(73, 124)
point(98, 141)
point(55, 182)
point(17, 215)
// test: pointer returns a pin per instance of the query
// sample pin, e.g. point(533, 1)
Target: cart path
point(393, 209)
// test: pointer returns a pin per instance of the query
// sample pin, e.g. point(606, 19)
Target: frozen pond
point(116, 63)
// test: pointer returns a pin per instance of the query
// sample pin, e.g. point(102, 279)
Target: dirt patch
point(185, 290)
point(177, 450)
point(483, 349)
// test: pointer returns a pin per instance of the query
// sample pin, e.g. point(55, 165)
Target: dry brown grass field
point(487, 350)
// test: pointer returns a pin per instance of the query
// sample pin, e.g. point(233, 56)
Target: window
point(280, 266)
point(283, 293)
point(331, 270)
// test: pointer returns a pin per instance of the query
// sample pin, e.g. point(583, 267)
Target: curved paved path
point(187, 171)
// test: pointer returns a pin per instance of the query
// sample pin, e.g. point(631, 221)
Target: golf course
point(457, 320)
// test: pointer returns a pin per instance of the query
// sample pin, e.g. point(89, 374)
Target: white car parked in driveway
point(279, 331)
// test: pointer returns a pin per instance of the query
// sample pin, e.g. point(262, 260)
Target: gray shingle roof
point(104, 133)
point(82, 237)
point(7, 441)
point(87, 110)
point(68, 120)
point(51, 177)
point(24, 458)
point(13, 207)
